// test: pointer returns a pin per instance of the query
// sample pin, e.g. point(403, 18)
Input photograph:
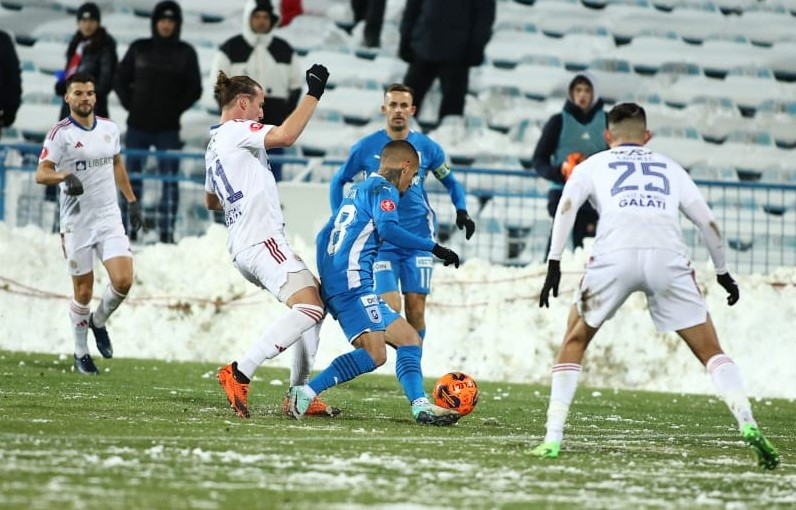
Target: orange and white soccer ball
point(456, 390)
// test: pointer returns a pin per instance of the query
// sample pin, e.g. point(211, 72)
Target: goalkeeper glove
point(570, 163)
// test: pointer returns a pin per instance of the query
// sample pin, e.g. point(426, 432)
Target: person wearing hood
point(269, 60)
point(567, 139)
point(157, 80)
point(10, 81)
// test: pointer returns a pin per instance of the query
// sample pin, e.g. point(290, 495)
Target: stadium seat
point(778, 117)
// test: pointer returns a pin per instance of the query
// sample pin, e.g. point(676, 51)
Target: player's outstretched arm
point(288, 132)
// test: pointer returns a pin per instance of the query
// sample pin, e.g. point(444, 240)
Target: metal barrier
point(509, 206)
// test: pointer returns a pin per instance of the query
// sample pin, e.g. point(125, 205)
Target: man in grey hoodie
point(267, 59)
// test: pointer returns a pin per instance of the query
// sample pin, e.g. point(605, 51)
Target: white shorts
point(83, 247)
point(268, 265)
point(667, 278)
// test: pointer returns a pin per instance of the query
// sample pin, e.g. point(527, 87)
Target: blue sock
point(343, 368)
point(422, 334)
point(407, 369)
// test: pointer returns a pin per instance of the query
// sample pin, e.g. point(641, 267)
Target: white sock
point(304, 356)
point(78, 314)
point(280, 335)
point(729, 386)
point(563, 384)
point(111, 299)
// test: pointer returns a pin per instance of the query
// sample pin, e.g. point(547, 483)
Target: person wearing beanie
point(157, 81)
point(567, 139)
point(270, 60)
point(91, 50)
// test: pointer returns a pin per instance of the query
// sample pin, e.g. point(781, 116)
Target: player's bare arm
point(46, 174)
point(122, 179)
point(212, 202)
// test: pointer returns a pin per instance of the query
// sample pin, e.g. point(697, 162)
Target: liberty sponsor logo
point(87, 164)
point(80, 166)
point(387, 205)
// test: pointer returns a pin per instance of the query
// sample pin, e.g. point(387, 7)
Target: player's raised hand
point(729, 284)
point(73, 185)
point(463, 221)
point(317, 76)
point(447, 255)
point(550, 283)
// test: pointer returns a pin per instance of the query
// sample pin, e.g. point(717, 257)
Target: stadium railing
point(758, 219)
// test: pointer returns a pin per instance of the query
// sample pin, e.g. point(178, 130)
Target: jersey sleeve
point(385, 216)
point(250, 134)
point(52, 150)
point(693, 205)
point(576, 191)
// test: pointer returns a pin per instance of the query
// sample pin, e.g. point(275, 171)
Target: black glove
point(550, 283)
point(73, 185)
point(448, 256)
point(317, 75)
point(134, 215)
point(726, 281)
point(463, 221)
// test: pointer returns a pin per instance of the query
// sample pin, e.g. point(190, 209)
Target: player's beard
point(83, 110)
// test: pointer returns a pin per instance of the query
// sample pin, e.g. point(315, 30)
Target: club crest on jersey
point(256, 126)
point(387, 205)
point(80, 165)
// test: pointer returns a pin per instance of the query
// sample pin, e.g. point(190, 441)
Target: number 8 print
point(345, 216)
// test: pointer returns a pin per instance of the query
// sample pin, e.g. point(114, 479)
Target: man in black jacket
point(443, 39)
point(567, 139)
point(10, 81)
point(157, 80)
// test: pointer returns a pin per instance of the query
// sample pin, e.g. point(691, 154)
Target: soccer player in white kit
point(639, 246)
point(239, 182)
point(81, 153)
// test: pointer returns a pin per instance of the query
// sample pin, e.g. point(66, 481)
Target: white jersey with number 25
point(639, 195)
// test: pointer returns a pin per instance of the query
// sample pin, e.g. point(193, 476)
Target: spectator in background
point(372, 13)
point(567, 139)
point(443, 39)
point(92, 50)
point(268, 60)
point(10, 81)
point(157, 80)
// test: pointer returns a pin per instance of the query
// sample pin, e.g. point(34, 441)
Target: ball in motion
point(458, 391)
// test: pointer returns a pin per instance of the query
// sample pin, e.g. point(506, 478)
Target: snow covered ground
point(189, 303)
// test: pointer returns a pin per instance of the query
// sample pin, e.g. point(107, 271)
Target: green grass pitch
point(155, 435)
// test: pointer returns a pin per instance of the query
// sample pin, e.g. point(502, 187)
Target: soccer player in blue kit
point(412, 268)
point(346, 250)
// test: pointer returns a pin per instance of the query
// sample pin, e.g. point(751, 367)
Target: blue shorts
point(412, 268)
point(360, 312)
